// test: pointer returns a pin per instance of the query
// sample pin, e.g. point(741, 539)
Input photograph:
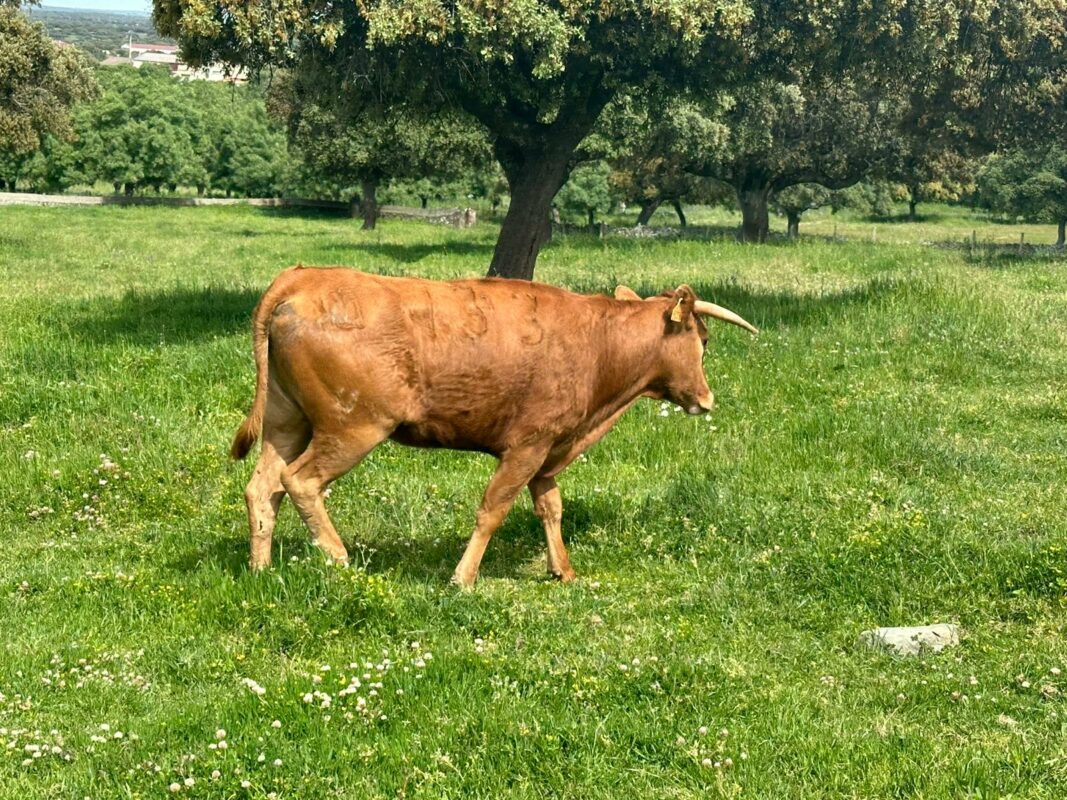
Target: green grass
point(891, 450)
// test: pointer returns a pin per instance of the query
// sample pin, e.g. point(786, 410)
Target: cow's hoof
point(464, 581)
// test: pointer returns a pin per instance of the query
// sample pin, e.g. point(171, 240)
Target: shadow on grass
point(171, 316)
point(518, 541)
point(306, 212)
point(413, 253)
point(183, 315)
point(773, 309)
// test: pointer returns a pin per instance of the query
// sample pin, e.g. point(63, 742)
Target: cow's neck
point(632, 360)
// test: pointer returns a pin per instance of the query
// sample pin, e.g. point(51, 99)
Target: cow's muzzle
point(702, 406)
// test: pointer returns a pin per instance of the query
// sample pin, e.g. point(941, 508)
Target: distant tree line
point(97, 33)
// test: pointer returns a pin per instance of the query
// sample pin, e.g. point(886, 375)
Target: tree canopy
point(537, 74)
point(358, 148)
point(39, 82)
point(1030, 184)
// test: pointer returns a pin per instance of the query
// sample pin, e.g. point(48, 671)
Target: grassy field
point(892, 449)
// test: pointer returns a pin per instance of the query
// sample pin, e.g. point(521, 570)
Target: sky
point(141, 6)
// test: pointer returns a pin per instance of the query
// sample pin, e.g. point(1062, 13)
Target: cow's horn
point(704, 308)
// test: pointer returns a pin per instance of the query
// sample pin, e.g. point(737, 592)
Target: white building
point(166, 55)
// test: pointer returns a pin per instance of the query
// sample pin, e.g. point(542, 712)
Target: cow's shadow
point(516, 551)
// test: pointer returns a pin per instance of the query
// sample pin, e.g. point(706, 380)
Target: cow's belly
point(428, 435)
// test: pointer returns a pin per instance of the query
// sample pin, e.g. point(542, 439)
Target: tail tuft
point(245, 438)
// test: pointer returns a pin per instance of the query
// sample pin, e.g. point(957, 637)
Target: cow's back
point(472, 364)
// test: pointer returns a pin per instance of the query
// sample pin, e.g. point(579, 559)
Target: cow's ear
point(684, 301)
point(625, 293)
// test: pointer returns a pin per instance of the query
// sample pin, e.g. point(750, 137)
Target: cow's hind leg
point(548, 505)
point(327, 458)
point(513, 473)
point(285, 435)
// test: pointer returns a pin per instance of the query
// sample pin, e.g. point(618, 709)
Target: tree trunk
point(591, 216)
point(678, 210)
point(200, 189)
point(424, 200)
point(118, 186)
point(912, 203)
point(794, 223)
point(368, 204)
point(754, 218)
point(534, 177)
point(128, 189)
point(1061, 234)
point(648, 208)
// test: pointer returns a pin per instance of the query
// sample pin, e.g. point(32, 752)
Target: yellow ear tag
point(676, 314)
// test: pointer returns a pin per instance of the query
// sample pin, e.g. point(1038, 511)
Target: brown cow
point(529, 373)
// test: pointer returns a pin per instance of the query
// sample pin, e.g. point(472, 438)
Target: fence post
point(1022, 241)
point(835, 231)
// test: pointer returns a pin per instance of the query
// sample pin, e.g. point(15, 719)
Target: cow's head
point(680, 373)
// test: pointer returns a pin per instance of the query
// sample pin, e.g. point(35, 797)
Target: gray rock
point(912, 641)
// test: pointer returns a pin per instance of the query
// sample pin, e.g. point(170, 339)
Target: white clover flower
point(277, 762)
point(706, 762)
point(703, 730)
point(175, 787)
point(223, 744)
point(220, 733)
point(190, 781)
point(276, 724)
point(215, 774)
point(246, 784)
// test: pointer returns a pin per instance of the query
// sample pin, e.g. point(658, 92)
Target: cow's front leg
point(548, 505)
point(513, 473)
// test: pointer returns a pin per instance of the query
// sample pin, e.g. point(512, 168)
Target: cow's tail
point(253, 424)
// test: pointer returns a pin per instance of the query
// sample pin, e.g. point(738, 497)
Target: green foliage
point(802, 197)
point(340, 148)
point(873, 198)
point(39, 82)
point(1027, 183)
point(140, 132)
point(148, 130)
point(589, 190)
point(794, 200)
point(654, 141)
